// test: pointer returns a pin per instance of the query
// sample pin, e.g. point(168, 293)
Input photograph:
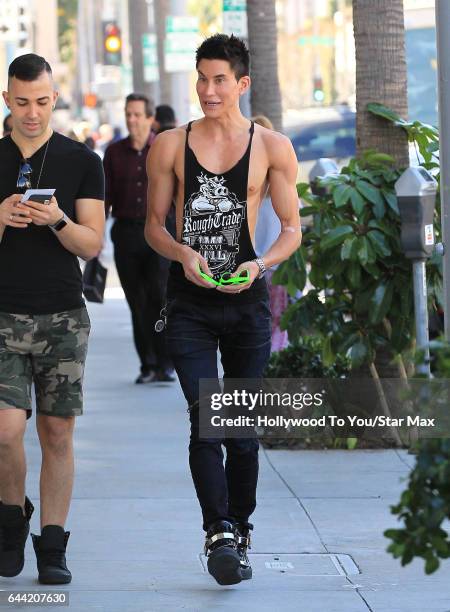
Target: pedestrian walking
point(142, 271)
point(7, 125)
point(164, 118)
point(218, 168)
point(44, 324)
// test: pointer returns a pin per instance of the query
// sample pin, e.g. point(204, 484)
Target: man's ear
point(244, 85)
point(55, 97)
point(6, 98)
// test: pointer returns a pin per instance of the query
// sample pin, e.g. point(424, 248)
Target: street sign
point(180, 43)
point(235, 18)
point(150, 57)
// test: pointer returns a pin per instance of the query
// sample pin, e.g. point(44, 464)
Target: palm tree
point(139, 25)
point(380, 75)
point(262, 40)
point(162, 11)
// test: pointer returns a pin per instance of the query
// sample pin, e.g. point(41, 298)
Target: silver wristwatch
point(261, 265)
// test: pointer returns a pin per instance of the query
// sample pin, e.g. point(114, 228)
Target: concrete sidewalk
point(136, 538)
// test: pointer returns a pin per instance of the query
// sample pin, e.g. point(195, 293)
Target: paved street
point(136, 539)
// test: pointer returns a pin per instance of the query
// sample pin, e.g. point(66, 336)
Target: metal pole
point(421, 313)
point(443, 61)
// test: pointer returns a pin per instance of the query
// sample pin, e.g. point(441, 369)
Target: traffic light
point(318, 94)
point(112, 44)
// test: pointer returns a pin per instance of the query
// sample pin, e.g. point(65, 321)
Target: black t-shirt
point(37, 274)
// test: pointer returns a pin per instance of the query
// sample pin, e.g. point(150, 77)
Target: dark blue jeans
point(243, 334)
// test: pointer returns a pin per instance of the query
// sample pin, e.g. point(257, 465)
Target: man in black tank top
point(218, 169)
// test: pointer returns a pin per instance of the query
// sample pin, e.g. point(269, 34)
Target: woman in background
point(268, 228)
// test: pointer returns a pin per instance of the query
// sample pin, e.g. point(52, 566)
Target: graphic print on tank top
point(215, 212)
point(212, 223)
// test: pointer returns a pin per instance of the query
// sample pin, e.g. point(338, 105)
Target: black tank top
point(215, 225)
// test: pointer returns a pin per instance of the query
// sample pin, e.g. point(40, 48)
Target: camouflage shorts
point(49, 350)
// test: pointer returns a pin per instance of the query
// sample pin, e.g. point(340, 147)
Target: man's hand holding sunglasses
point(193, 265)
point(13, 213)
point(44, 214)
point(248, 271)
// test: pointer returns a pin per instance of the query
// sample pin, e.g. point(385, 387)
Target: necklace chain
point(43, 162)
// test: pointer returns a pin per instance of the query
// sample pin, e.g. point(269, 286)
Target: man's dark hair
point(165, 115)
point(136, 97)
point(28, 67)
point(228, 48)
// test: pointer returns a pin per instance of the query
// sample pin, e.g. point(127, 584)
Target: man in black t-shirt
point(44, 324)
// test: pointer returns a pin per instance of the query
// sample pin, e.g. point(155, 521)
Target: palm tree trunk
point(265, 93)
point(138, 24)
point(162, 10)
point(380, 75)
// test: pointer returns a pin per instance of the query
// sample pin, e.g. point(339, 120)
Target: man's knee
point(12, 427)
point(56, 433)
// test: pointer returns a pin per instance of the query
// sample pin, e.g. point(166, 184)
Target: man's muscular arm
point(161, 190)
point(283, 192)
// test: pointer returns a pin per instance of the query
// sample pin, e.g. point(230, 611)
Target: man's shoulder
point(5, 143)
point(118, 145)
point(271, 138)
point(167, 144)
point(276, 146)
point(174, 135)
point(64, 144)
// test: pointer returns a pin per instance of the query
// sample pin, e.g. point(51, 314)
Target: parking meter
point(323, 167)
point(416, 195)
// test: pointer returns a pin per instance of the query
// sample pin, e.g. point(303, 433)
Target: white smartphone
point(38, 195)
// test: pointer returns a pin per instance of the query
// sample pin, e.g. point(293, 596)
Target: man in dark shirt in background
point(142, 272)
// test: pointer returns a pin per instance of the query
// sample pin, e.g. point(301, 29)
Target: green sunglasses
point(227, 279)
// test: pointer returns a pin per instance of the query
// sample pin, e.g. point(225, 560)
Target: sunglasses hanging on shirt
point(24, 178)
point(25, 172)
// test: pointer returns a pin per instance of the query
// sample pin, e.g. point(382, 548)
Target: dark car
point(323, 132)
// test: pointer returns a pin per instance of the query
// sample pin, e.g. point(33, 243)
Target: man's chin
point(32, 133)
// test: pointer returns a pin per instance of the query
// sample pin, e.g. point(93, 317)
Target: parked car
point(323, 132)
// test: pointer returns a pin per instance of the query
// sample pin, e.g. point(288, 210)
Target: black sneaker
point(50, 549)
point(220, 550)
point(14, 530)
point(146, 377)
point(242, 535)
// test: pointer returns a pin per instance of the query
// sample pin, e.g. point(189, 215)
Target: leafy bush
point(425, 504)
point(304, 360)
point(353, 256)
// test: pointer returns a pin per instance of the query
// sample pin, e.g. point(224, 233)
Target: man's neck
point(28, 146)
point(226, 125)
point(139, 142)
